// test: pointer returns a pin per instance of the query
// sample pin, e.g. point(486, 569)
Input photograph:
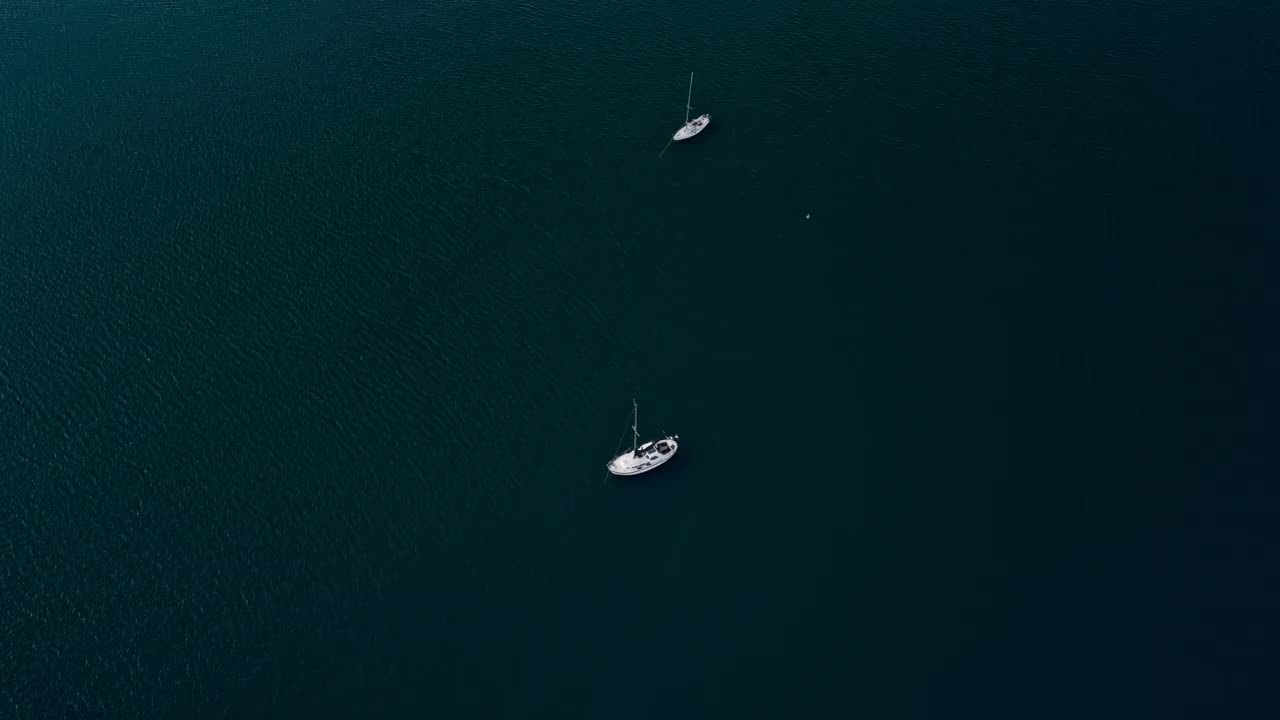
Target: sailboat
point(643, 458)
point(691, 127)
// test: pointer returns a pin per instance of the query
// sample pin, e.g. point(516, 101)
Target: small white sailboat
point(691, 127)
point(643, 458)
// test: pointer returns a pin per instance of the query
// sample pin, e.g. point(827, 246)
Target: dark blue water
point(319, 320)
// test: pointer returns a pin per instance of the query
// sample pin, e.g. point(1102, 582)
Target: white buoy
point(806, 216)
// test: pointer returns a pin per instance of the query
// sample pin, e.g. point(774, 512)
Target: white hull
point(646, 457)
point(691, 128)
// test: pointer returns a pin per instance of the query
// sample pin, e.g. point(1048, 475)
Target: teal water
point(319, 321)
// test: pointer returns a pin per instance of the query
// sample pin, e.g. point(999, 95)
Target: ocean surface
point(318, 321)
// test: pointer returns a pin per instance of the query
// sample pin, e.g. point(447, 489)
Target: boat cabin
point(662, 446)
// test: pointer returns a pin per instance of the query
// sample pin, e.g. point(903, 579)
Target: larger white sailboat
point(643, 458)
point(691, 127)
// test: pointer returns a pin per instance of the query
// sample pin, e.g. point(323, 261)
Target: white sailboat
point(643, 458)
point(691, 127)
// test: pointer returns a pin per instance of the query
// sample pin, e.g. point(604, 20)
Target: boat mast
point(689, 100)
point(635, 426)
